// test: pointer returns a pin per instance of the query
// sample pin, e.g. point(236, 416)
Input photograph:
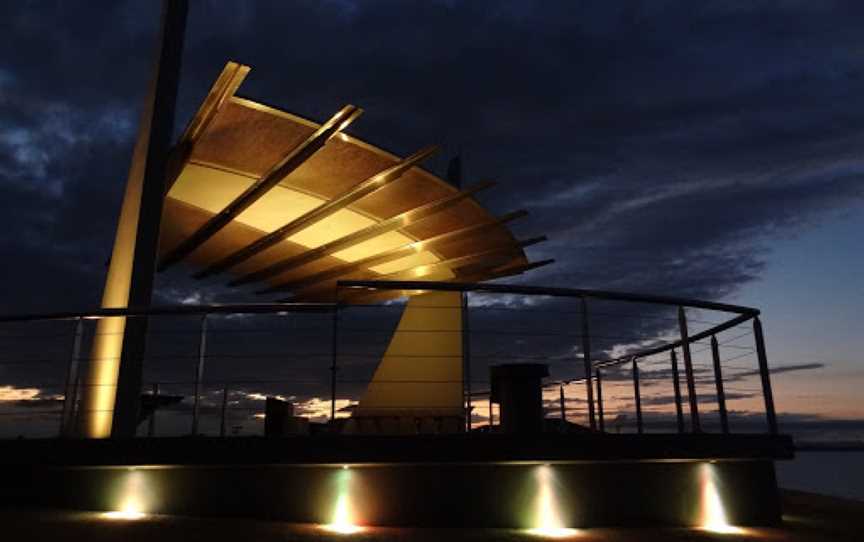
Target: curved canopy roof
point(292, 206)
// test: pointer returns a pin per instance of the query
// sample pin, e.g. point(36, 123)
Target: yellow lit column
point(145, 180)
point(420, 375)
point(100, 385)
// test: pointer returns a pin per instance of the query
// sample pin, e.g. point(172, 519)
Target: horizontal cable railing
point(640, 368)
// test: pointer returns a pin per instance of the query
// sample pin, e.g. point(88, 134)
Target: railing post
point(638, 397)
point(466, 360)
point(600, 402)
point(151, 429)
point(764, 373)
point(718, 380)
point(561, 399)
point(695, 426)
point(586, 360)
point(199, 374)
point(676, 382)
point(224, 411)
point(334, 363)
point(491, 420)
point(71, 389)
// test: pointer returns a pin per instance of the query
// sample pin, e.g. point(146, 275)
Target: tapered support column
point(676, 382)
point(146, 242)
point(764, 374)
point(637, 397)
point(695, 426)
point(718, 380)
point(586, 360)
point(199, 374)
point(112, 387)
point(421, 374)
point(600, 402)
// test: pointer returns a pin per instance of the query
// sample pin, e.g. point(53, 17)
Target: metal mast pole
point(152, 194)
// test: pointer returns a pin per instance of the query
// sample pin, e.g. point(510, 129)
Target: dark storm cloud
point(662, 146)
point(663, 140)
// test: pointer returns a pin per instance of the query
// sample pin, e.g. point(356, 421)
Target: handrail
point(263, 308)
point(540, 290)
point(675, 344)
point(737, 315)
point(173, 310)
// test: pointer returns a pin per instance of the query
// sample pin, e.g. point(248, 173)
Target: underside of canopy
point(290, 206)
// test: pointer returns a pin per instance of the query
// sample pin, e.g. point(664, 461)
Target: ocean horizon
point(830, 472)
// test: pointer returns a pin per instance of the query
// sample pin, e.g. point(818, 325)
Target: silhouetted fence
point(618, 362)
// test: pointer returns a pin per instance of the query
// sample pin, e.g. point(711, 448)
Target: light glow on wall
point(712, 514)
point(125, 515)
point(548, 521)
point(344, 519)
point(131, 498)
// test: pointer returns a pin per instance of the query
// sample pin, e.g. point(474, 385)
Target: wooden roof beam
point(328, 208)
point(453, 263)
point(393, 254)
point(232, 76)
point(428, 269)
point(367, 296)
point(285, 166)
point(391, 224)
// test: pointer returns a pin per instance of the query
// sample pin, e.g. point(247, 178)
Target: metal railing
point(208, 367)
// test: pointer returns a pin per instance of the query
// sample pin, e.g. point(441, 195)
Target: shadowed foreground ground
point(807, 517)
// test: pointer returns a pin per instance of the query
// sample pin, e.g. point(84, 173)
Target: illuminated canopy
point(292, 206)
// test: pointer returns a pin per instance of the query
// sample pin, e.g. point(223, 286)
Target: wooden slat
point(232, 76)
point(289, 163)
point(328, 208)
point(368, 297)
point(394, 254)
point(223, 88)
point(454, 263)
point(391, 224)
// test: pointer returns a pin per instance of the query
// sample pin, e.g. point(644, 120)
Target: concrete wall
point(500, 495)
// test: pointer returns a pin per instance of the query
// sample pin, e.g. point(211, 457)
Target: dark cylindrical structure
point(517, 389)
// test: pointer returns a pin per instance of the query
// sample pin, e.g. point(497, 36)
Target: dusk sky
point(712, 150)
